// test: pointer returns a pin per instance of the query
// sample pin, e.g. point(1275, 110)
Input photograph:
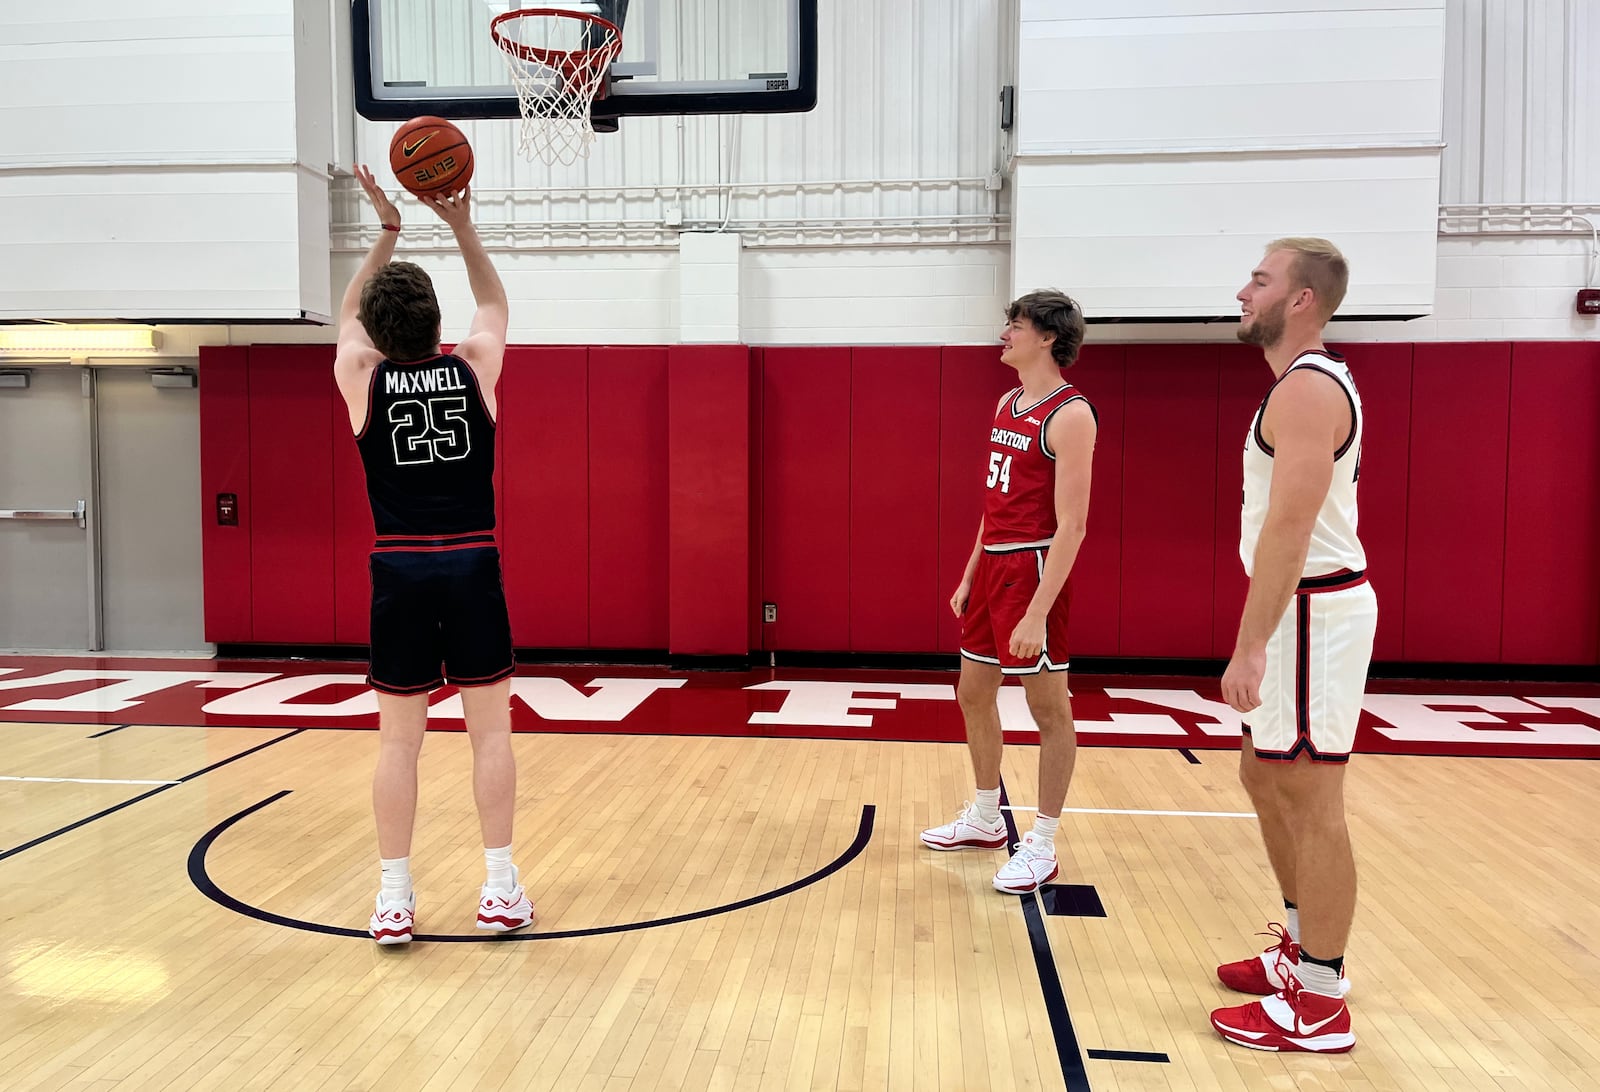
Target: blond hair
point(1319, 266)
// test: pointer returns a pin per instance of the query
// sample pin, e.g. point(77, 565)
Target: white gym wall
point(872, 219)
point(166, 159)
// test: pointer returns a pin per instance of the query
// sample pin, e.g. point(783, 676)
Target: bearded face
point(1265, 328)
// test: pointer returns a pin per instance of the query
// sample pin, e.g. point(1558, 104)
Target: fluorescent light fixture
point(46, 340)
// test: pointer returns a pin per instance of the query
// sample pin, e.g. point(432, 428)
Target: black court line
point(202, 880)
point(12, 852)
point(1186, 753)
point(108, 731)
point(1128, 1056)
point(1055, 999)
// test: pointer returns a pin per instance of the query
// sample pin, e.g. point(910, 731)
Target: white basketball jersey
point(1334, 545)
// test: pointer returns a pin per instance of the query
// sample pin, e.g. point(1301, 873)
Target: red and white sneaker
point(503, 911)
point(392, 922)
point(1289, 1020)
point(969, 831)
point(1032, 864)
point(1268, 972)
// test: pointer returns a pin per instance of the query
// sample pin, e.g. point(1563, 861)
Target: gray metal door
point(45, 472)
point(150, 557)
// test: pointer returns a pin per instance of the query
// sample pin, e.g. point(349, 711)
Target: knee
point(1050, 714)
point(1255, 778)
point(400, 748)
point(974, 697)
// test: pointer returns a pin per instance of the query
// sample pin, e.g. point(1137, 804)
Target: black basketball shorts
point(438, 617)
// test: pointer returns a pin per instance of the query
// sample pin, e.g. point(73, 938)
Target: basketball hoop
point(557, 69)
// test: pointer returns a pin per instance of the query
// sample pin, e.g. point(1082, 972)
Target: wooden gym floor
point(202, 929)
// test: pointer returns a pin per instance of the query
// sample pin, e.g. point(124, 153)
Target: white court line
point(1135, 811)
point(89, 780)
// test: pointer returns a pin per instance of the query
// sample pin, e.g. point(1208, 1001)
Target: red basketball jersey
point(1020, 504)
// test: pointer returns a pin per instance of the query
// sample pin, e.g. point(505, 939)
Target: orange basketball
point(430, 156)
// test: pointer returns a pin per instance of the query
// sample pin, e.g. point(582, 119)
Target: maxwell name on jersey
point(420, 382)
point(1007, 438)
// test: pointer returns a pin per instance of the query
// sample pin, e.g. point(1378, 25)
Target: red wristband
point(391, 227)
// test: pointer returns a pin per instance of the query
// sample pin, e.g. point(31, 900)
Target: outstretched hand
point(454, 209)
point(387, 213)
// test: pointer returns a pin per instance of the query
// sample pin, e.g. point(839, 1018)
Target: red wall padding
point(544, 544)
point(1552, 559)
point(291, 483)
point(1456, 509)
point(971, 381)
point(894, 500)
point(708, 458)
point(1243, 379)
point(628, 497)
point(352, 530)
point(225, 468)
point(1383, 378)
point(1096, 580)
point(652, 497)
point(805, 497)
point(1169, 497)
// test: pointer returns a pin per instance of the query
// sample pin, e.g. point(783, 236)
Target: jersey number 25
point(424, 431)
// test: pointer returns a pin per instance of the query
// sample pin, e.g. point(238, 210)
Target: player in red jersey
point(1012, 600)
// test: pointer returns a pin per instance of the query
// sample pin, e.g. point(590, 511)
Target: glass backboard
point(678, 57)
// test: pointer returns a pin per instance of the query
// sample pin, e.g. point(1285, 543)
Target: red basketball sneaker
point(1267, 972)
point(1291, 1019)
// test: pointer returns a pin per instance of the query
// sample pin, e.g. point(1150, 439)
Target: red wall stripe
point(352, 532)
point(291, 483)
point(894, 500)
point(1243, 378)
point(1383, 378)
point(1096, 581)
point(225, 468)
point(1552, 564)
point(544, 440)
point(1169, 491)
point(1456, 513)
point(709, 515)
point(805, 496)
point(628, 497)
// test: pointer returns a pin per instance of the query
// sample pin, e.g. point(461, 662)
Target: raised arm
point(484, 346)
point(356, 355)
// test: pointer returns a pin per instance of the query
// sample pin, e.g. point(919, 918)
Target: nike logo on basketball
point(411, 149)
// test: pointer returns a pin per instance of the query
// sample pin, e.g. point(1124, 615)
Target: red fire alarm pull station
point(227, 509)
point(1589, 301)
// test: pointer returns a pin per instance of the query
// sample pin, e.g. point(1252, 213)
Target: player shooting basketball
point(425, 424)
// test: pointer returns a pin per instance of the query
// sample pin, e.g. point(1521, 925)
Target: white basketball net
point(558, 61)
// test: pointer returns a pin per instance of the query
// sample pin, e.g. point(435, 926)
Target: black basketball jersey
point(428, 449)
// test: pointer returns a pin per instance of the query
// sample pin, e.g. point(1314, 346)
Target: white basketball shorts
point(1317, 662)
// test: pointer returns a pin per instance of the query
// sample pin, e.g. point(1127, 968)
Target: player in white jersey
point(1299, 668)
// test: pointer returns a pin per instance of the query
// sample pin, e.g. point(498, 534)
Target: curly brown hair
point(400, 312)
point(1053, 312)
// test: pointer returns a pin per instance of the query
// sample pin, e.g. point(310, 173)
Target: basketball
point(430, 156)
